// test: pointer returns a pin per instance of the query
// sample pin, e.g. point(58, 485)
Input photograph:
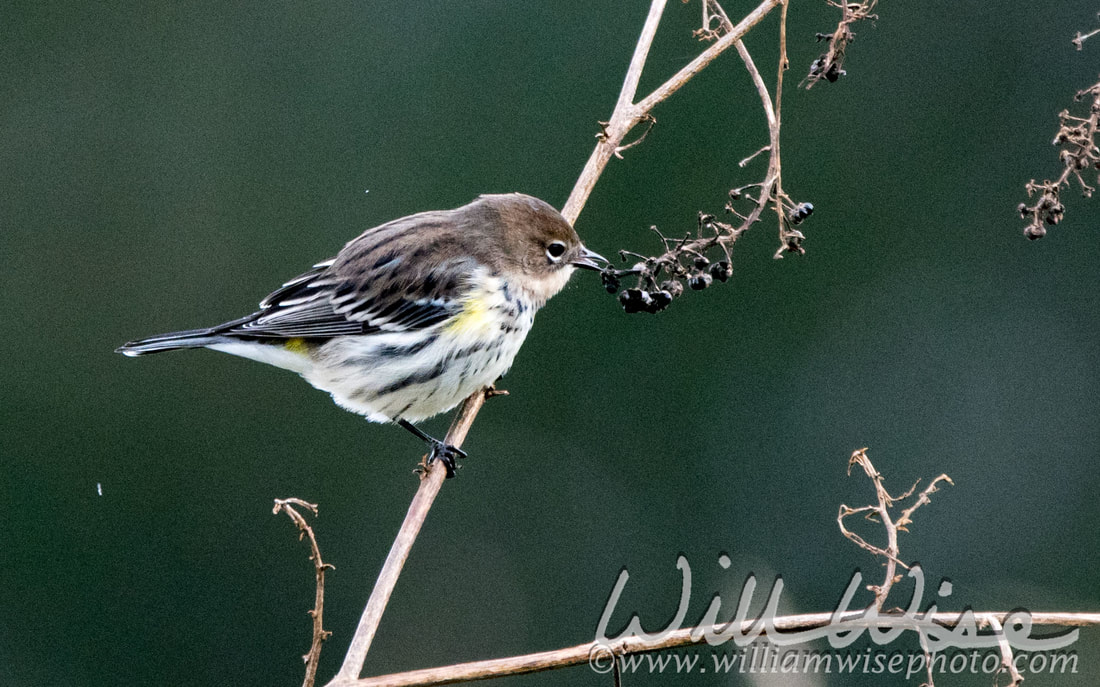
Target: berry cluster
point(660, 279)
point(1076, 138)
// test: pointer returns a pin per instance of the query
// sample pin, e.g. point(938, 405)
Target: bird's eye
point(555, 250)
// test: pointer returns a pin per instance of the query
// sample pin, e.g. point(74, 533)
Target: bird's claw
point(446, 454)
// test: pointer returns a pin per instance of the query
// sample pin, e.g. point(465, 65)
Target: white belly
point(415, 375)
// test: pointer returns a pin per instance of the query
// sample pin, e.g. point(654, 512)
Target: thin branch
point(681, 77)
point(1079, 40)
point(626, 115)
point(583, 653)
point(622, 119)
point(784, 238)
point(1007, 664)
point(319, 633)
point(430, 483)
point(770, 113)
point(882, 511)
point(641, 53)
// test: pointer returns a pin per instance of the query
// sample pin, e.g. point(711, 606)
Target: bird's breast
point(417, 374)
point(490, 307)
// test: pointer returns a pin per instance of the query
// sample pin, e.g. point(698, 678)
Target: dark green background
point(164, 166)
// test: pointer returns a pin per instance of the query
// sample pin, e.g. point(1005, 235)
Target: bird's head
point(539, 249)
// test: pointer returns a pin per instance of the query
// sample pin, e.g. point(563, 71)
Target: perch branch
point(430, 483)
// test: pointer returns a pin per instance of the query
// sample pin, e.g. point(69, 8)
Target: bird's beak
point(588, 260)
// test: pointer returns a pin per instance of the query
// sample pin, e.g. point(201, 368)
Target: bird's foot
point(445, 454)
point(443, 451)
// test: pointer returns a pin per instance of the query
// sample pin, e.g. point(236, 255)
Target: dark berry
point(699, 281)
point(722, 270)
point(800, 212)
point(634, 300)
point(610, 281)
point(659, 300)
point(1023, 210)
point(674, 287)
point(701, 262)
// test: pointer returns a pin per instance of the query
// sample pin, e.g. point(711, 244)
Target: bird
point(411, 316)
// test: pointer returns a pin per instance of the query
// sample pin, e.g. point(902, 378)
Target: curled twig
point(305, 531)
point(881, 512)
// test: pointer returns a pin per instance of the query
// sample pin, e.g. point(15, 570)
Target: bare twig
point(1007, 664)
point(882, 512)
point(1079, 40)
point(304, 530)
point(891, 553)
point(583, 653)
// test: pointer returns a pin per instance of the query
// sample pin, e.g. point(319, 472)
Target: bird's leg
point(444, 452)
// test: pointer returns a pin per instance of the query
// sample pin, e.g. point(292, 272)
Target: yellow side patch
point(297, 345)
point(476, 317)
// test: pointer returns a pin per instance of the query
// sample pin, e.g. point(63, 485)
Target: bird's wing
point(337, 298)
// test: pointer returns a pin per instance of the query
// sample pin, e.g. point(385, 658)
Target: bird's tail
point(193, 338)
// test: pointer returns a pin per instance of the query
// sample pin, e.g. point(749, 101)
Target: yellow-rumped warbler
point(412, 316)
